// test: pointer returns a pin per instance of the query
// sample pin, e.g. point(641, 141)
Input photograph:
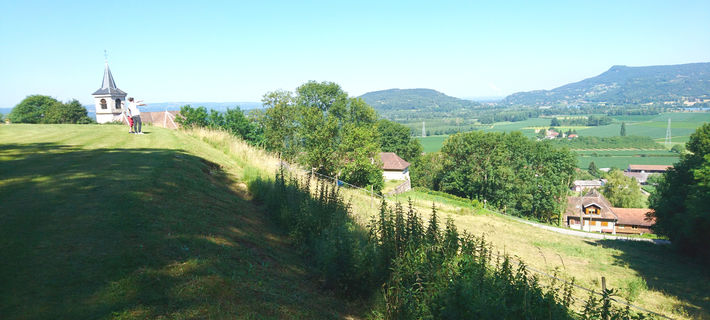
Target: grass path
point(100, 224)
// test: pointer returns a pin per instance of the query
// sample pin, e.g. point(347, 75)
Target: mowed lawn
point(99, 224)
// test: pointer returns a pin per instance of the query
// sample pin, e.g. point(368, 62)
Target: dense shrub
point(421, 270)
point(45, 109)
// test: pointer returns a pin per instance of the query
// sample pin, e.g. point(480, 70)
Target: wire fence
point(341, 183)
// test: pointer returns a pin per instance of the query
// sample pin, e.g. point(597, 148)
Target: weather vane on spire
point(105, 56)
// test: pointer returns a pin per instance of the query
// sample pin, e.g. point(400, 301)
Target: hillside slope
point(97, 223)
point(627, 85)
point(422, 101)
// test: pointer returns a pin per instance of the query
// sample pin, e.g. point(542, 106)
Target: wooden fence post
point(606, 297)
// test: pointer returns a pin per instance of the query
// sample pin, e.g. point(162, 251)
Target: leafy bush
point(45, 109)
point(233, 121)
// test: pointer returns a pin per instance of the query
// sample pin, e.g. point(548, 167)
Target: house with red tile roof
point(590, 212)
point(634, 220)
point(394, 167)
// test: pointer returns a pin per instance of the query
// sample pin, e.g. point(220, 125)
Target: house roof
point(165, 119)
point(108, 86)
point(634, 216)
point(588, 183)
point(391, 161)
point(649, 167)
point(575, 205)
point(641, 177)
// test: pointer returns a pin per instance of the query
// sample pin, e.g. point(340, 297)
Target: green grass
point(654, 276)
point(432, 143)
point(97, 224)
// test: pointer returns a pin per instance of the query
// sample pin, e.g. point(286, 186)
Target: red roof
point(649, 167)
point(391, 161)
point(576, 205)
point(634, 216)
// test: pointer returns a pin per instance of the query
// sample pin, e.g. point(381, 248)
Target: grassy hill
point(627, 85)
point(97, 223)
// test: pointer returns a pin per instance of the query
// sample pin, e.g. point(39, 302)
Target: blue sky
point(239, 50)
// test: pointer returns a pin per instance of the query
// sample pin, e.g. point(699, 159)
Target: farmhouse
point(591, 212)
point(634, 220)
point(597, 215)
point(581, 185)
point(394, 167)
point(648, 168)
point(641, 177)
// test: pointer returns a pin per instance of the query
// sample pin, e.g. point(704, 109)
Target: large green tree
point(279, 123)
point(324, 129)
point(509, 170)
point(682, 198)
point(33, 109)
point(397, 138)
point(622, 191)
point(70, 112)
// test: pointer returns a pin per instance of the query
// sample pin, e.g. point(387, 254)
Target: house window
point(605, 223)
point(103, 104)
point(118, 103)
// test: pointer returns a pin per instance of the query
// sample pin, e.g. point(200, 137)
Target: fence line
point(516, 260)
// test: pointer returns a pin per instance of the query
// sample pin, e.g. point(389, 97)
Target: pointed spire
point(108, 86)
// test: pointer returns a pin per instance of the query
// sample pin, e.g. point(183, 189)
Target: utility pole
point(668, 134)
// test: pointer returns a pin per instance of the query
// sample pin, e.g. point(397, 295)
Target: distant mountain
point(421, 100)
point(627, 85)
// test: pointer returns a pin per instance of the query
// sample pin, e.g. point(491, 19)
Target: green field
point(682, 125)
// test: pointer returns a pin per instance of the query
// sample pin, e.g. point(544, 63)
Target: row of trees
point(233, 121)
point(508, 170)
point(318, 126)
point(45, 109)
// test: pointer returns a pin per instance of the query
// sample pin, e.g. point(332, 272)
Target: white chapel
point(108, 99)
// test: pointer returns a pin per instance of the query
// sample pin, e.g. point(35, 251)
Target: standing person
point(129, 119)
point(135, 115)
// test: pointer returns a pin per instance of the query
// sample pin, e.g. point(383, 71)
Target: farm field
point(682, 125)
point(622, 162)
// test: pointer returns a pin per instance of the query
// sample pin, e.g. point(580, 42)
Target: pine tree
point(623, 129)
point(593, 169)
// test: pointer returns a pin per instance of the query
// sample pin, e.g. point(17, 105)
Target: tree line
point(45, 109)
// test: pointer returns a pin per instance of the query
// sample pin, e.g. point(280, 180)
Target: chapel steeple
point(108, 99)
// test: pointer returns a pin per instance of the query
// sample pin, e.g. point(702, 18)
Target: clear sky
point(238, 50)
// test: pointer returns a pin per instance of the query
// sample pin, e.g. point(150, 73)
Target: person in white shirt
point(135, 114)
